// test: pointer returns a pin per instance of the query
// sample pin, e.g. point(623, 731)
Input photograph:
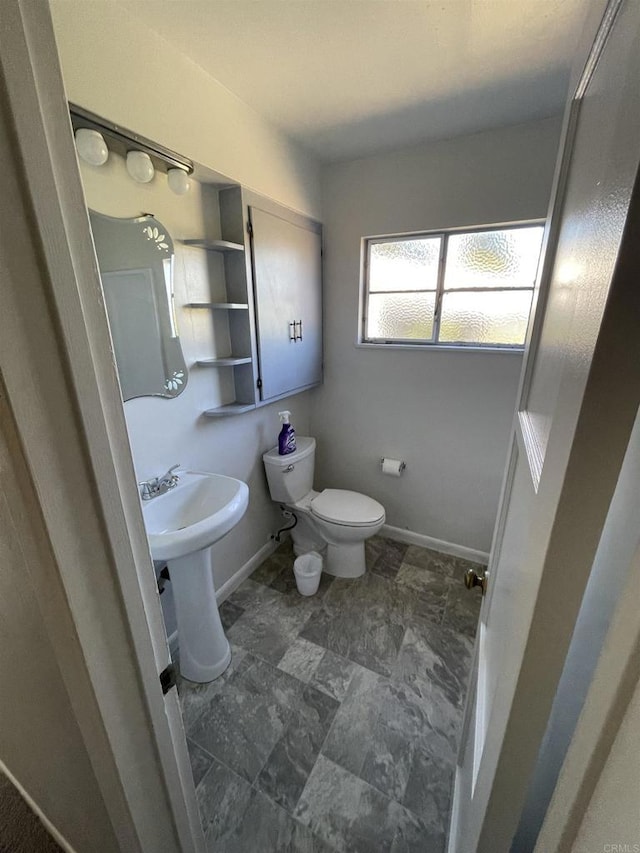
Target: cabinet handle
point(299, 336)
point(292, 331)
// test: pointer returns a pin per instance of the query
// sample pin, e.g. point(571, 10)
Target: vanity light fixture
point(91, 146)
point(144, 157)
point(140, 167)
point(178, 181)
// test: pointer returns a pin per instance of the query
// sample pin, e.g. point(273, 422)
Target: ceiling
point(348, 78)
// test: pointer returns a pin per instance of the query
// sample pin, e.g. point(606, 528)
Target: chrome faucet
point(159, 485)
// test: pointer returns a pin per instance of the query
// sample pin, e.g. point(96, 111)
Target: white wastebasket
point(307, 570)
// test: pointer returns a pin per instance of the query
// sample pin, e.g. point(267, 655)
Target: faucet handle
point(170, 477)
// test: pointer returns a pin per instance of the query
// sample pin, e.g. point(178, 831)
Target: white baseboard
point(401, 535)
point(244, 571)
point(60, 840)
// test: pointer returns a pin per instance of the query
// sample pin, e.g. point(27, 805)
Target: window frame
point(433, 343)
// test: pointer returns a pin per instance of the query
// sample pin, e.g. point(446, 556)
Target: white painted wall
point(447, 414)
point(612, 821)
point(119, 68)
point(127, 73)
point(41, 743)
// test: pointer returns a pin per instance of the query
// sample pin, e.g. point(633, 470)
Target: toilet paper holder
point(384, 459)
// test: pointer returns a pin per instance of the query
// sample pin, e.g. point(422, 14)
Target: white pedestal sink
point(182, 525)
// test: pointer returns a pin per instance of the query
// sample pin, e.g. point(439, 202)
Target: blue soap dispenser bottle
point(287, 437)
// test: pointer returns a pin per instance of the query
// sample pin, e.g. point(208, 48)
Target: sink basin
point(182, 525)
point(194, 514)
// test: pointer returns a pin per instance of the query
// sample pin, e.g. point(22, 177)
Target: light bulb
point(91, 146)
point(140, 167)
point(178, 181)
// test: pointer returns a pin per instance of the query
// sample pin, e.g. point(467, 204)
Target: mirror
point(135, 257)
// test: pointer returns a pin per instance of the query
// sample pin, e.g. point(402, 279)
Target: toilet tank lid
point(344, 507)
point(304, 446)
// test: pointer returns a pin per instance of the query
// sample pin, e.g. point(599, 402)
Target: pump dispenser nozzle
point(284, 416)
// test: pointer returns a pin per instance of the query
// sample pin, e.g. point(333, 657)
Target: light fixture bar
point(122, 140)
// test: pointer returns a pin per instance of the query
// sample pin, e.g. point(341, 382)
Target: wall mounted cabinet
point(272, 301)
point(286, 254)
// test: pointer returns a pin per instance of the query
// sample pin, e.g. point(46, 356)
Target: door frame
point(62, 386)
point(565, 480)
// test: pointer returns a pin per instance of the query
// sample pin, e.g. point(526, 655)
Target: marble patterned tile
point(301, 659)
point(428, 790)
point(268, 828)
point(462, 609)
point(229, 613)
point(269, 626)
point(349, 814)
point(420, 713)
point(251, 594)
point(372, 549)
point(333, 675)
point(200, 760)
point(287, 768)
point(433, 561)
point(361, 621)
point(223, 797)
point(389, 559)
point(336, 726)
point(424, 593)
point(194, 698)
point(349, 737)
point(387, 761)
point(415, 836)
point(441, 737)
point(436, 654)
point(242, 723)
point(268, 571)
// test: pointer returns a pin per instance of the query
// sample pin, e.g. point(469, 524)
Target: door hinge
point(168, 678)
point(249, 228)
point(259, 383)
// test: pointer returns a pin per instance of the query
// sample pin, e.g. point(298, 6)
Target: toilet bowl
point(335, 519)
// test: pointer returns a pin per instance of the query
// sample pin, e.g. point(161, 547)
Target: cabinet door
point(287, 275)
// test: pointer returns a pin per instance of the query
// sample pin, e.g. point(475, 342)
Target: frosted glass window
point(401, 316)
point(489, 317)
point(404, 264)
point(471, 288)
point(504, 258)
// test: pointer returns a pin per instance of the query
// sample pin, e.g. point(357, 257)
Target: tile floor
point(336, 726)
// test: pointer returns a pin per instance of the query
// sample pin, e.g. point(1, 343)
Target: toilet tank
point(290, 477)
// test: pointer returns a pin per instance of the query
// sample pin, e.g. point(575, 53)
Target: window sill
point(441, 348)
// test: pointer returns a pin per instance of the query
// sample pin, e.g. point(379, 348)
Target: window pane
point(404, 264)
point(401, 315)
point(498, 317)
point(507, 258)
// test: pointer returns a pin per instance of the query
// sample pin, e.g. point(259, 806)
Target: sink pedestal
point(204, 649)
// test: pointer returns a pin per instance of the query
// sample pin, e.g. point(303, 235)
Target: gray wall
point(447, 414)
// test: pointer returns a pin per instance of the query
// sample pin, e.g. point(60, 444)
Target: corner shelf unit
point(234, 306)
point(214, 245)
point(229, 361)
point(228, 410)
point(220, 306)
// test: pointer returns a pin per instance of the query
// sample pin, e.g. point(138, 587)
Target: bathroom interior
point(327, 721)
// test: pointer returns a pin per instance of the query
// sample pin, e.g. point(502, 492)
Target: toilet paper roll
point(392, 467)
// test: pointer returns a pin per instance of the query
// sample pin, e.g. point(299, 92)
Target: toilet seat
point(349, 509)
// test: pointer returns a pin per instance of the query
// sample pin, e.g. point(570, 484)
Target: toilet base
point(346, 560)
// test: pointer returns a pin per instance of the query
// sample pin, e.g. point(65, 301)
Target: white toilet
point(335, 518)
